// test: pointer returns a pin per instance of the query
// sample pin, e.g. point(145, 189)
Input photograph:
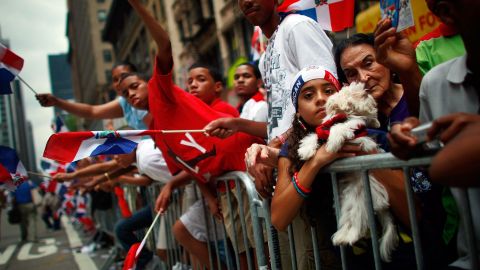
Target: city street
point(54, 250)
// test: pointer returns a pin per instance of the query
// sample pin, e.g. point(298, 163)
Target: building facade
point(90, 58)
point(60, 77)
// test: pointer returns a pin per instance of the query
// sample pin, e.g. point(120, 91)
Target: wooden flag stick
point(28, 86)
point(39, 174)
point(146, 235)
point(184, 130)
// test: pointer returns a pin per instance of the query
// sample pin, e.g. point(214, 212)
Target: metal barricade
point(363, 164)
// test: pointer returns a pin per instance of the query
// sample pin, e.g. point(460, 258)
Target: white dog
point(349, 112)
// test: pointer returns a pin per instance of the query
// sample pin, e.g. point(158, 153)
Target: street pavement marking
point(7, 254)
point(43, 251)
point(83, 261)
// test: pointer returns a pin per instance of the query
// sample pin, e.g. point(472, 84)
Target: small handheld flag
point(10, 65)
point(12, 171)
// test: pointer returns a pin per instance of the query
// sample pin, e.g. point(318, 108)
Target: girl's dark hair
point(130, 66)
point(294, 137)
point(214, 72)
point(354, 40)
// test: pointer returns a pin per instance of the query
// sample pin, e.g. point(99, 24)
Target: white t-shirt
point(150, 161)
point(298, 42)
point(255, 109)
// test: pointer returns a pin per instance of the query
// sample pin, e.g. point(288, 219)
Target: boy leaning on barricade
point(173, 108)
point(253, 119)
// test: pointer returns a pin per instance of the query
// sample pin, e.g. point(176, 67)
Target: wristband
point(299, 191)
point(302, 188)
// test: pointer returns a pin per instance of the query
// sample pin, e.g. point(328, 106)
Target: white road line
point(83, 261)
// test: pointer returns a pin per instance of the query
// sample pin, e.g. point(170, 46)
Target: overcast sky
point(35, 29)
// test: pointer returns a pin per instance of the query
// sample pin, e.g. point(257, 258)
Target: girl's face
point(116, 75)
point(359, 64)
point(312, 99)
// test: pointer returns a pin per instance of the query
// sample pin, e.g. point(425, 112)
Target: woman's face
point(359, 65)
point(312, 99)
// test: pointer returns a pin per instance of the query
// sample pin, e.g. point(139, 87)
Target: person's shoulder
point(439, 73)
point(295, 19)
point(223, 107)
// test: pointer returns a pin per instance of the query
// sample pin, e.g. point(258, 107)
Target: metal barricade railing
point(363, 164)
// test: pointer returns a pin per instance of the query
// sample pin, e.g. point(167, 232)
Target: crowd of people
point(437, 81)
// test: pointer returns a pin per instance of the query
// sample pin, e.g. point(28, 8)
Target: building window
point(107, 55)
point(102, 15)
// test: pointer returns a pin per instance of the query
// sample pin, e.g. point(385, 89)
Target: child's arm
point(287, 200)
point(179, 180)
point(91, 170)
point(164, 59)
point(225, 127)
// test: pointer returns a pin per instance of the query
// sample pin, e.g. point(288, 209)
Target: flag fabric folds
point(12, 171)
point(72, 146)
point(51, 167)
point(131, 258)
point(122, 203)
point(258, 44)
point(332, 15)
point(10, 65)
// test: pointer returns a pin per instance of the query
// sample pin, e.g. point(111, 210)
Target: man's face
point(201, 84)
point(257, 12)
point(244, 82)
point(135, 90)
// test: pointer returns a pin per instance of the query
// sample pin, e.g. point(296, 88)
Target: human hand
point(393, 49)
point(163, 199)
point(261, 154)
point(322, 157)
point(448, 126)
point(46, 100)
point(222, 127)
point(402, 142)
point(214, 207)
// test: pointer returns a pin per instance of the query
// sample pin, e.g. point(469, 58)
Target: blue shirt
point(23, 192)
point(133, 116)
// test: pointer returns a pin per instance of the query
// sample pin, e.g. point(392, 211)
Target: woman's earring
point(301, 124)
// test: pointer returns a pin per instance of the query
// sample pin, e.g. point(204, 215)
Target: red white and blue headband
point(308, 74)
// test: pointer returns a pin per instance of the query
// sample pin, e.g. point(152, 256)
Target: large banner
point(424, 19)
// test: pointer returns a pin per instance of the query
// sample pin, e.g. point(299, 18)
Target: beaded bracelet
point(302, 188)
point(299, 191)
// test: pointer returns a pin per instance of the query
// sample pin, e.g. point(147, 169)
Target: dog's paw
point(346, 235)
point(308, 146)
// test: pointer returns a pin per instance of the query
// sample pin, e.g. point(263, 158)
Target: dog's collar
point(323, 131)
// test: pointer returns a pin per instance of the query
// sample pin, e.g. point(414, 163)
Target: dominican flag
point(122, 203)
point(51, 167)
point(10, 65)
point(72, 146)
point(259, 43)
point(58, 125)
point(12, 171)
point(332, 15)
point(131, 258)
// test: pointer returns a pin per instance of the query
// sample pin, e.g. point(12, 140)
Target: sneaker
point(181, 266)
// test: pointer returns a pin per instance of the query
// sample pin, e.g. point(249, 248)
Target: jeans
point(125, 233)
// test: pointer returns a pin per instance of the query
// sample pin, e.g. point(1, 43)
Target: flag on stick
point(332, 15)
point(12, 171)
point(10, 65)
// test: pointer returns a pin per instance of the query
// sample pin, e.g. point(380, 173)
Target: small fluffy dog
point(349, 112)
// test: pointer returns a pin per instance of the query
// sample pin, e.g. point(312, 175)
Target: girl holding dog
point(301, 189)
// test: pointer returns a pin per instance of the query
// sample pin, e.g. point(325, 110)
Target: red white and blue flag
point(259, 43)
point(51, 167)
point(10, 65)
point(12, 171)
point(58, 125)
point(332, 15)
point(72, 146)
